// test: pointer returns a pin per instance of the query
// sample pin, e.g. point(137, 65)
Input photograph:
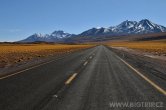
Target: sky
point(22, 18)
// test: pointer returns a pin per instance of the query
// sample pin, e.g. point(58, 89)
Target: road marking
point(71, 78)
point(85, 63)
point(6, 76)
point(3, 77)
point(145, 78)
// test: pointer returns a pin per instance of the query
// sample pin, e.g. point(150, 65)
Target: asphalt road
point(92, 79)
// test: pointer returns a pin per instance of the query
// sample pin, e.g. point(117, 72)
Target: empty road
point(91, 79)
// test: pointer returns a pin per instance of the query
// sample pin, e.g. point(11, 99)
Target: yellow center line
point(3, 77)
point(71, 78)
point(85, 63)
point(145, 78)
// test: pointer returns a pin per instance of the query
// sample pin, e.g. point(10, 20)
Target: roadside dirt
point(150, 67)
point(147, 54)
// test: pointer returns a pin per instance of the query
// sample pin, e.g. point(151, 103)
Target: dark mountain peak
point(147, 25)
point(127, 24)
point(93, 31)
point(145, 21)
point(58, 32)
point(39, 35)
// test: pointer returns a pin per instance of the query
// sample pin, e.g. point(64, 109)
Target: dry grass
point(15, 53)
point(156, 47)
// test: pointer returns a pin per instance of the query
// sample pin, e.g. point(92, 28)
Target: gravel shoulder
point(153, 67)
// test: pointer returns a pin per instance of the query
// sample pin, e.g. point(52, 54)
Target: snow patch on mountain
point(53, 37)
point(125, 28)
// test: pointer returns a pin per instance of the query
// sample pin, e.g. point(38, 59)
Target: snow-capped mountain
point(93, 31)
point(125, 28)
point(53, 37)
point(60, 34)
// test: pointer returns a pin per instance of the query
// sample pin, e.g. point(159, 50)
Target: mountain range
point(125, 28)
point(56, 36)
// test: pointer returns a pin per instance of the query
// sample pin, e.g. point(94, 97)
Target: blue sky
point(21, 18)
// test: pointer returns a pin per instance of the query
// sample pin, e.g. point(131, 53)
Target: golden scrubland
point(15, 53)
point(157, 47)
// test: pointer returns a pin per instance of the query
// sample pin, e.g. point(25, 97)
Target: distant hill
point(56, 36)
point(126, 28)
